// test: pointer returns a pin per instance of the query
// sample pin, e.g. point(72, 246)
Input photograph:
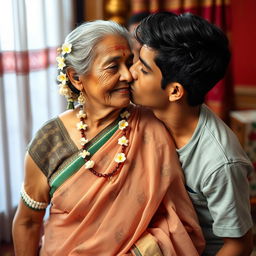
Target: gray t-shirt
point(216, 170)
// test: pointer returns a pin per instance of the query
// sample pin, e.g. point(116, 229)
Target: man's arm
point(230, 208)
point(242, 246)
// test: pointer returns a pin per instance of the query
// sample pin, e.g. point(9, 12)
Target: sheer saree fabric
point(142, 210)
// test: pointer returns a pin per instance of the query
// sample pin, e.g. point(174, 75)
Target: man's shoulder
point(219, 139)
point(214, 147)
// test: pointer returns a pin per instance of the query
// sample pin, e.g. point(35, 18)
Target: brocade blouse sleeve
point(51, 146)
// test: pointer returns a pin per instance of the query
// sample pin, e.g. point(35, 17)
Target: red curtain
point(219, 99)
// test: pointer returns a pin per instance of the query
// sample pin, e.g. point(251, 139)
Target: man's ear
point(175, 91)
point(74, 78)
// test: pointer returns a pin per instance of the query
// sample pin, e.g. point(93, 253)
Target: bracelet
point(30, 202)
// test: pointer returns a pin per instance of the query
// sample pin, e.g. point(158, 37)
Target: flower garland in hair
point(62, 77)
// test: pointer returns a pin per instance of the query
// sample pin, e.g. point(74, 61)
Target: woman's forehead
point(113, 45)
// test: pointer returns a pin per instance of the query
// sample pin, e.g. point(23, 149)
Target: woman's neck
point(98, 117)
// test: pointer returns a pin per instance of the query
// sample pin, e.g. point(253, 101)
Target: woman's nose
point(126, 74)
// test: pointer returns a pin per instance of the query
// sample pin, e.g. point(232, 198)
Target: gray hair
point(85, 38)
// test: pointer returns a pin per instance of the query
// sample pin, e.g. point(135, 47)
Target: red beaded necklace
point(120, 157)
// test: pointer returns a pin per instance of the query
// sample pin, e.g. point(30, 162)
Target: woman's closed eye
point(114, 66)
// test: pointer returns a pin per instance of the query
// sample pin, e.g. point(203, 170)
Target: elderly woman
point(109, 170)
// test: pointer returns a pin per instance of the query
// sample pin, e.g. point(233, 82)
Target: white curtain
point(30, 32)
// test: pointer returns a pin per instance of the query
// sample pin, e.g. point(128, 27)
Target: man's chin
point(134, 101)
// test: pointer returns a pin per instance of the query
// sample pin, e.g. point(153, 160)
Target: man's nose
point(133, 71)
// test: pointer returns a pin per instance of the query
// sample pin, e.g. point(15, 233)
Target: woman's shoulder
point(70, 113)
point(55, 123)
point(47, 126)
point(50, 141)
point(55, 126)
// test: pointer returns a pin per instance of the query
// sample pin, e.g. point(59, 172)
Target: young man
point(181, 59)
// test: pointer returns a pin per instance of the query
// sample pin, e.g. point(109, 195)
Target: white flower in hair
point(120, 158)
point(123, 141)
point(60, 59)
point(61, 65)
point(123, 124)
point(89, 164)
point(62, 77)
point(125, 114)
point(66, 48)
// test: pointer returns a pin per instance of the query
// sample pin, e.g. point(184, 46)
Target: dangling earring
point(81, 98)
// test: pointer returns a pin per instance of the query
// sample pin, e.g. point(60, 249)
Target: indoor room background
point(32, 30)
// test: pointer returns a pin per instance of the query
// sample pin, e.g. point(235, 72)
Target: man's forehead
point(147, 55)
point(148, 50)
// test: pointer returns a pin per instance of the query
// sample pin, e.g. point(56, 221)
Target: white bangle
point(30, 202)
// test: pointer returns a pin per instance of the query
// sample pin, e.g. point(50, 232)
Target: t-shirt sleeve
point(227, 193)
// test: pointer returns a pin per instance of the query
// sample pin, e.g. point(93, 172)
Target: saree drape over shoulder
point(143, 210)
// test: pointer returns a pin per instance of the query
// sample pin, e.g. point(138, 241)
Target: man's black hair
point(189, 50)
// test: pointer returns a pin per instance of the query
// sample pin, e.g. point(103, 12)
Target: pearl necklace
point(123, 141)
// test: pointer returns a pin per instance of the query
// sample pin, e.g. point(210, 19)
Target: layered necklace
point(122, 141)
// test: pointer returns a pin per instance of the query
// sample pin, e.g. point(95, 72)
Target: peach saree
point(143, 210)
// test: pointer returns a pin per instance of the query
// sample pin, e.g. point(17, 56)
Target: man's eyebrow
point(145, 63)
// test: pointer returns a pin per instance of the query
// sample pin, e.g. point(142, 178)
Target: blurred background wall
point(243, 41)
point(28, 69)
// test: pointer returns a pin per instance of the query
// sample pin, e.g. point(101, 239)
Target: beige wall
point(94, 9)
point(117, 10)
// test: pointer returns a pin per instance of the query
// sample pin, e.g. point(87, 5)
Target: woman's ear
point(74, 78)
point(175, 91)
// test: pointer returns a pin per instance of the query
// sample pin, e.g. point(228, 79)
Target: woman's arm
point(27, 222)
point(27, 230)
